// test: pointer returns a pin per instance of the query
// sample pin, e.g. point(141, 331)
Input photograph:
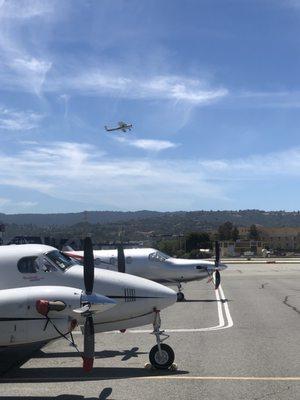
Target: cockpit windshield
point(60, 260)
point(158, 256)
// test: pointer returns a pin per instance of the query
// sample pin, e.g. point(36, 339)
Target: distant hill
point(179, 221)
point(68, 219)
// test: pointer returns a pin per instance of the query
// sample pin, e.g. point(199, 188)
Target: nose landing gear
point(180, 294)
point(161, 355)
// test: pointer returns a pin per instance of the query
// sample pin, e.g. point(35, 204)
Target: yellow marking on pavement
point(223, 378)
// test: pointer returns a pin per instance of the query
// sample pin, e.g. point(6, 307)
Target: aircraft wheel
point(163, 361)
point(180, 296)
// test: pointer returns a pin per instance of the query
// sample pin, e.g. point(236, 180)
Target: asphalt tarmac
point(242, 342)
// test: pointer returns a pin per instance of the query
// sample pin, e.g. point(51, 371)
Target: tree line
point(190, 245)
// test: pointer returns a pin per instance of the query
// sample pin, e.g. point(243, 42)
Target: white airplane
point(44, 294)
point(155, 265)
point(122, 126)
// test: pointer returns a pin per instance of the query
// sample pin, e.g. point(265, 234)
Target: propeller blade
point(217, 259)
point(88, 265)
point(89, 344)
point(217, 279)
point(121, 259)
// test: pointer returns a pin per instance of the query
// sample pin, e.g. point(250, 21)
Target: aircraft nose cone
point(152, 294)
point(165, 297)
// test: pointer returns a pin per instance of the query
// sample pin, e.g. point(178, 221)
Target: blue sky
point(211, 86)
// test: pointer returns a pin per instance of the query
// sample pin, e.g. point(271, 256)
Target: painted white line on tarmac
point(221, 301)
point(228, 315)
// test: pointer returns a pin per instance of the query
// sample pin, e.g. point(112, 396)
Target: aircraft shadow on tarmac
point(125, 354)
point(104, 395)
point(69, 374)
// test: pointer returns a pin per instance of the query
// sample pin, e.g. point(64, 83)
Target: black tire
point(180, 296)
point(168, 356)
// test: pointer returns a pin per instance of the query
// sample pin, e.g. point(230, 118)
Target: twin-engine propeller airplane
point(122, 127)
point(157, 266)
point(44, 294)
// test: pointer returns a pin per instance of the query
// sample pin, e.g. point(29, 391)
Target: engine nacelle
point(21, 320)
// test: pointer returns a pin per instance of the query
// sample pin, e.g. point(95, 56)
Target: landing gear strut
point(180, 295)
point(161, 355)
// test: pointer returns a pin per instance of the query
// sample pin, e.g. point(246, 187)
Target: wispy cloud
point(256, 167)
point(167, 87)
point(12, 9)
point(148, 144)
point(27, 64)
point(69, 171)
point(267, 99)
point(21, 65)
point(13, 120)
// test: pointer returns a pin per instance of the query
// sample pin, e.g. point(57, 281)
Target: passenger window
point(28, 265)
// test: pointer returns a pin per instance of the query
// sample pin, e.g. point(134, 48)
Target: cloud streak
point(148, 144)
point(22, 68)
point(13, 120)
point(166, 87)
point(67, 171)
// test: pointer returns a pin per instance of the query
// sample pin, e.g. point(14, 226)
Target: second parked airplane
point(155, 265)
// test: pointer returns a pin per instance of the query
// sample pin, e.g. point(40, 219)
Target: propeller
point(216, 269)
point(217, 262)
point(88, 332)
point(121, 259)
point(91, 303)
point(88, 265)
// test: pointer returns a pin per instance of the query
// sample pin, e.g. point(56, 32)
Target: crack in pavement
point(285, 302)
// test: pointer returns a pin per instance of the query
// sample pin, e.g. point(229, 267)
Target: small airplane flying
point(44, 295)
point(155, 265)
point(122, 127)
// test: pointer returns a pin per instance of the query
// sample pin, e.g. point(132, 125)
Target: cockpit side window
point(158, 256)
point(28, 265)
point(59, 259)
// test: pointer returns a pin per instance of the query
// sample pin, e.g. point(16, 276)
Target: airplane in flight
point(44, 295)
point(157, 266)
point(122, 126)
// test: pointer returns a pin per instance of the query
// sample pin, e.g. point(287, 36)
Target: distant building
point(276, 238)
point(284, 238)
point(229, 248)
